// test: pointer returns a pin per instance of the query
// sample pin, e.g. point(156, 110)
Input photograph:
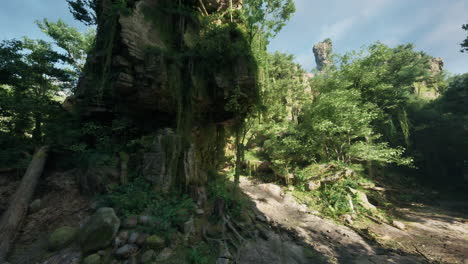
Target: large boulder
point(362, 198)
point(99, 231)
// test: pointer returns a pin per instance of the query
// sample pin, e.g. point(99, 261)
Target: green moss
point(92, 259)
point(62, 237)
point(162, 20)
point(203, 253)
point(155, 242)
point(99, 231)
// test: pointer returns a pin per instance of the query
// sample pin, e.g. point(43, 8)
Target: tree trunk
point(12, 218)
point(238, 156)
point(37, 132)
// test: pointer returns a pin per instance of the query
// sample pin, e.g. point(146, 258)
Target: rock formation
point(323, 52)
point(157, 63)
point(436, 65)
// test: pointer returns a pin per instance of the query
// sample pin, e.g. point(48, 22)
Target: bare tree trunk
point(12, 218)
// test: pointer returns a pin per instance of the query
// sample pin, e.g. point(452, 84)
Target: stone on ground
point(99, 231)
point(61, 237)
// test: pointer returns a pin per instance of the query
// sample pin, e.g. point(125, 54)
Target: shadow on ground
point(290, 234)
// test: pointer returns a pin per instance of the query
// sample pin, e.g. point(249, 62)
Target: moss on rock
point(155, 242)
point(61, 237)
point(99, 231)
point(92, 259)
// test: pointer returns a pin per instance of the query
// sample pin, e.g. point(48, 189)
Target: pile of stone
point(102, 238)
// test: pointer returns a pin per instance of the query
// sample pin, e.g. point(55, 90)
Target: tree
point(386, 77)
point(337, 125)
point(441, 137)
point(263, 20)
point(84, 10)
point(464, 44)
point(285, 91)
point(266, 17)
point(31, 77)
point(76, 44)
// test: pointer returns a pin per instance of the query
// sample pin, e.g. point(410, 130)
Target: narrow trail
point(424, 238)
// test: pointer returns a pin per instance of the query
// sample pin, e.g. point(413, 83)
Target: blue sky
point(17, 17)
point(434, 26)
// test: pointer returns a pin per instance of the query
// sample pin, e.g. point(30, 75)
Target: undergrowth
point(202, 253)
point(335, 199)
point(224, 190)
point(138, 198)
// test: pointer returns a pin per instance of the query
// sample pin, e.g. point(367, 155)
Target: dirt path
point(439, 232)
point(341, 244)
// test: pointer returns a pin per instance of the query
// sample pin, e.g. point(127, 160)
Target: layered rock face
point(165, 65)
point(323, 52)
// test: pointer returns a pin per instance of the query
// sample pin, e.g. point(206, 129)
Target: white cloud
point(448, 29)
point(445, 37)
point(432, 25)
point(338, 29)
point(361, 11)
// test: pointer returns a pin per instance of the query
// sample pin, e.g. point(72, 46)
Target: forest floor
point(436, 233)
point(61, 205)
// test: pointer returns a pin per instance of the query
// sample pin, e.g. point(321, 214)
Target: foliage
point(386, 77)
point(285, 92)
point(34, 79)
point(202, 253)
point(333, 199)
point(76, 44)
point(222, 190)
point(464, 44)
point(30, 82)
point(84, 10)
point(138, 198)
point(440, 135)
point(266, 17)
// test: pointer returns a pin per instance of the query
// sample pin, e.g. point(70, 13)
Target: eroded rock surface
point(323, 54)
point(436, 65)
point(166, 70)
point(335, 242)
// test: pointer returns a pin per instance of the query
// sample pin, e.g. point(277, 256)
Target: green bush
point(138, 198)
point(224, 190)
point(202, 253)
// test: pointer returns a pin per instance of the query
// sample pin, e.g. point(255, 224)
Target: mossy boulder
point(155, 242)
point(148, 256)
point(92, 259)
point(61, 237)
point(99, 231)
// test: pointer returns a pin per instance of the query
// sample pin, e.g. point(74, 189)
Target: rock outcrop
point(157, 63)
point(436, 65)
point(323, 54)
